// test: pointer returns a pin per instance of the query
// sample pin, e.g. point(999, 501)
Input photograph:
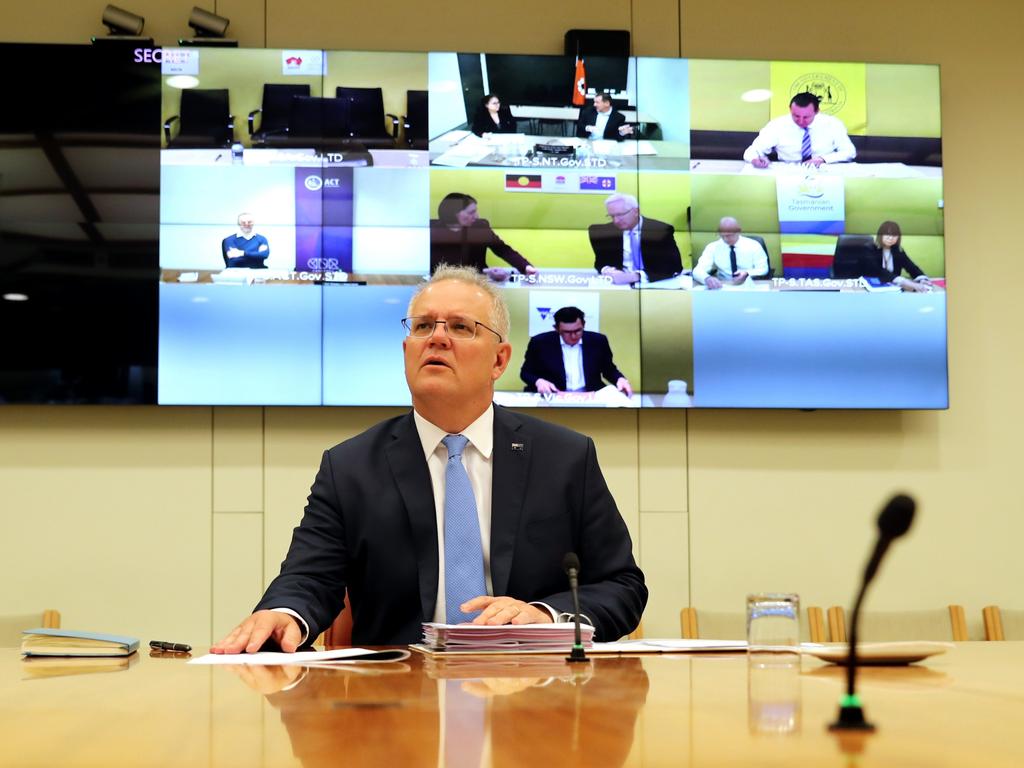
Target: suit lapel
point(409, 469)
point(511, 463)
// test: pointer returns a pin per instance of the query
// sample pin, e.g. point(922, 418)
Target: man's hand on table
point(251, 634)
point(505, 610)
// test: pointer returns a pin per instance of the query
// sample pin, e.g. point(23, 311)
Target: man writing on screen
point(602, 121)
point(632, 249)
point(458, 511)
point(730, 259)
point(245, 248)
point(803, 136)
point(570, 359)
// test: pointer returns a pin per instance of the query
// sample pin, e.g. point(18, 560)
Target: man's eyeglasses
point(456, 327)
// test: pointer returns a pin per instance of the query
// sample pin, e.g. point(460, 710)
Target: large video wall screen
point(724, 233)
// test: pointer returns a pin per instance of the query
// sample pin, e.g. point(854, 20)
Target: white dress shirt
point(572, 361)
point(829, 140)
point(599, 124)
point(750, 257)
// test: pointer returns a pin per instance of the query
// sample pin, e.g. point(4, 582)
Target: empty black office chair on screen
point(414, 122)
point(274, 112)
point(366, 118)
point(764, 247)
point(204, 120)
point(852, 254)
point(316, 121)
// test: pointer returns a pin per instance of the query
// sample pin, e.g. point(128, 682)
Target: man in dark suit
point(632, 249)
point(602, 121)
point(458, 511)
point(570, 358)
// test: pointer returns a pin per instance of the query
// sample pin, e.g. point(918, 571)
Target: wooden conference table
point(963, 708)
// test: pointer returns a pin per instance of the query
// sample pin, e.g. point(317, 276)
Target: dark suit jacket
point(543, 360)
point(657, 246)
point(468, 247)
point(482, 122)
point(588, 116)
point(900, 262)
point(370, 526)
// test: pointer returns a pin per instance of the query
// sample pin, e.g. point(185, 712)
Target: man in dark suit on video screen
point(602, 121)
point(570, 359)
point(458, 511)
point(632, 249)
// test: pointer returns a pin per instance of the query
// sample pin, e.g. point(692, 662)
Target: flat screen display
point(666, 232)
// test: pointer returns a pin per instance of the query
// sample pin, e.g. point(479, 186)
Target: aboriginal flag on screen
point(522, 181)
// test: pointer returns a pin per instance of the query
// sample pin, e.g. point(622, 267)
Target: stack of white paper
point(507, 637)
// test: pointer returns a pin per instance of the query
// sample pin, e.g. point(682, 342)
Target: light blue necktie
point(805, 146)
point(463, 550)
point(634, 246)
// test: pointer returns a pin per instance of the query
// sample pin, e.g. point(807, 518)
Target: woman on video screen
point(888, 260)
point(493, 117)
point(458, 236)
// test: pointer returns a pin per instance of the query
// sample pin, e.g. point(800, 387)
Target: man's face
point(622, 214)
point(730, 233)
point(467, 217)
point(245, 224)
point(601, 105)
point(458, 369)
point(802, 116)
point(571, 333)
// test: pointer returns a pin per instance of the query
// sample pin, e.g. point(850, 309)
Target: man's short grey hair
point(499, 317)
point(629, 200)
point(243, 213)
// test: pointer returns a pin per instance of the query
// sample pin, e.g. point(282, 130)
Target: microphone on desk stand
point(893, 522)
point(571, 564)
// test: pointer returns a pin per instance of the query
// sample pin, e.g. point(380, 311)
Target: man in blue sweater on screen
point(245, 248)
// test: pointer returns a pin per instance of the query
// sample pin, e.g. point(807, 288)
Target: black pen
point(159, 645)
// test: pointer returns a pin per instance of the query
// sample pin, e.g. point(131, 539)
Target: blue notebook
point(70, 642)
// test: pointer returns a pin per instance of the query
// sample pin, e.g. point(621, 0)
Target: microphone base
point(851, 718)
point(577, 654)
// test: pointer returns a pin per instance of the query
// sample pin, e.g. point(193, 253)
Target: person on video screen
point(730, 259)
point(570, 359)
point(493, 117)
point(245, 248)
point(803, 136)
point(459, 237)
point(457, 511)
point(602, 121)
point(632, 249)
point(888, 261)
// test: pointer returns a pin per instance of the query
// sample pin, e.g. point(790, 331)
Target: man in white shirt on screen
point(730, 259)
point(804, 136)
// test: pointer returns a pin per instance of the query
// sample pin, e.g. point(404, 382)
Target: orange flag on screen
point(579, 88)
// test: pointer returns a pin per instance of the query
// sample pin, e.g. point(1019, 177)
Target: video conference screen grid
point(604, 191)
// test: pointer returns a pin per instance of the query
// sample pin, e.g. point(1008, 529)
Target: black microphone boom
point(571, 565)
point(893, 522)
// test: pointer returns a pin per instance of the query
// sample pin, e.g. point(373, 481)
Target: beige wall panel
point(248, 20)
point(295, 441)
point(108, 509)
point(655, 27)
point(615, 436)
point(662, 461)
point(446, 25)
point(237, 569)
point(237, 459)
point(663, 542)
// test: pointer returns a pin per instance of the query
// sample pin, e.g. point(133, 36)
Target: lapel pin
point(517, 447)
